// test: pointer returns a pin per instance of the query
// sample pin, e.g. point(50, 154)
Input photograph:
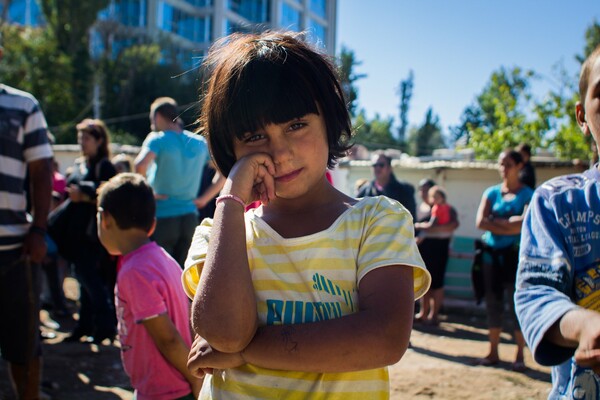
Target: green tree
point(405, 92)
point(592, 40)
point(134, 79)
point(32, 63)
point(69, 21)
point(374, 134)
point(504, 115)
point(427, 137)
point(348, 77)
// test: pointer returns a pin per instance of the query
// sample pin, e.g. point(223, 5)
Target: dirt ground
point(439, 365)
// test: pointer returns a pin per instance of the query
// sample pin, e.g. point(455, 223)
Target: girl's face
point(508, 168)
point(298, 149)
point(89, 144)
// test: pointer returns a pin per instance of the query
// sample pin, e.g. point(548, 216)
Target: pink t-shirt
point(149, 284)
point(441, 212)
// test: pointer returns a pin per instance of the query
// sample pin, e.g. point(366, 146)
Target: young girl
point(311, 294)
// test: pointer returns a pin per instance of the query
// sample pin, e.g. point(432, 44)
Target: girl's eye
point(297, 125)
point(252, 137)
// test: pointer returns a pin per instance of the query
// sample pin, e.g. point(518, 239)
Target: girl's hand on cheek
point(252, 178)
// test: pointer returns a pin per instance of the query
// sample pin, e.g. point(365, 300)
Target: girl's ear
point(580, 116)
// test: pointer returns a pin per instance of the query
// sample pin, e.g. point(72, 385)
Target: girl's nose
point(280, 150)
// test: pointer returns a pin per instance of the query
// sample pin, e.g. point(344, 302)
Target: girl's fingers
point(265, 183)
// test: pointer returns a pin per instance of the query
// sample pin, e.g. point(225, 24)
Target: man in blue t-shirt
point(173, 159)
point(557, 295)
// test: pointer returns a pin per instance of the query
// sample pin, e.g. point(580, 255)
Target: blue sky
point(453, 46)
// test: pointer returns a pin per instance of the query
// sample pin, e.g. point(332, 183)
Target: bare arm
point(143, 160)
point(172, 346)
point(498, 226)
point(228, 322)
point(376, 336)
point(426, 225)
point(40, 175)
point(579, 328)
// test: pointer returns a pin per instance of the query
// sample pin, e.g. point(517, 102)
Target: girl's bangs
point(268, 93)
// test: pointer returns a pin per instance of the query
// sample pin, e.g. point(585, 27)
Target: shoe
point(518, 366)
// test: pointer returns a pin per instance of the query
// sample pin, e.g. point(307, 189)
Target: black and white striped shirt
point(23, 139)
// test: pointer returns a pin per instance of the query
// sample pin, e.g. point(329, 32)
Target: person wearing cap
point(25, 149)
point(386, 184)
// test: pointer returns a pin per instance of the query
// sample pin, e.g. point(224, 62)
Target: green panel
point(458, 271)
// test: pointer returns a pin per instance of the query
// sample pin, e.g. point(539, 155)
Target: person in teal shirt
point(172, 159)
point(500, 215)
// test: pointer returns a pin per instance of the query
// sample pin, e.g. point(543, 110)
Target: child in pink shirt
point(153, 312)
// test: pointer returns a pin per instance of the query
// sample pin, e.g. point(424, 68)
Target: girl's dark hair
point(258, 79)
point(99, 131)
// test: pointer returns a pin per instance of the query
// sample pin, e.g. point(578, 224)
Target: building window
point(316, 33)
point(319, 7)
point(256, 11)
point(24, 12)
point(185, 58)
point(131, 12)
point(290, 17)
point(200, 3)
point(174, 20)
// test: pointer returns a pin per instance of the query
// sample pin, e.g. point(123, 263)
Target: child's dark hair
point(258, 79)
point(436, 189)
point(130, 201)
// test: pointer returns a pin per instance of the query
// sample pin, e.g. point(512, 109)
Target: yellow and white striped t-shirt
point(313, 278)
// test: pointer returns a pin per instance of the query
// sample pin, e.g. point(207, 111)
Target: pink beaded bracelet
point(230, 197)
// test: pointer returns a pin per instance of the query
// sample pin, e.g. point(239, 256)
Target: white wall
point(464, 182)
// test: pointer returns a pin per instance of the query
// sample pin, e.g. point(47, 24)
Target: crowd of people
point(285, 273)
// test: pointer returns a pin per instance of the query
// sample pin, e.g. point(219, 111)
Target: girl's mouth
point(288, 177)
